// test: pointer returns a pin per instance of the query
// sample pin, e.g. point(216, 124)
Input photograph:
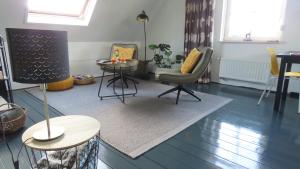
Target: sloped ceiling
point(113, 20)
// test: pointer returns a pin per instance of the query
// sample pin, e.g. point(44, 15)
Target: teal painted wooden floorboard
point(140, 162)
point(234, 141)
point(102, 165)
point(113, 159)
point(202, 154)
point(185, 158)
point(248, 140)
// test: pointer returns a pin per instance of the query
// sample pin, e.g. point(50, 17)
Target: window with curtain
point(253, 20)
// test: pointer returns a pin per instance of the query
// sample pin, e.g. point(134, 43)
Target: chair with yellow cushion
point(61, 85)
point(274, 74)
point(192, 69)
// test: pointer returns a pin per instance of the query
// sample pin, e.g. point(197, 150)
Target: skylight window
point(67, 12)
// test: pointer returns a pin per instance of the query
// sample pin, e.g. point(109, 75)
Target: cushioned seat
point(187, 76)
point(61, 85)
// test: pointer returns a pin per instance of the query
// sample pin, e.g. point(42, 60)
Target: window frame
point(82, 19)
point(225, 27)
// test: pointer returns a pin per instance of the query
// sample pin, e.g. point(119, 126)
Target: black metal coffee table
point(121, 72)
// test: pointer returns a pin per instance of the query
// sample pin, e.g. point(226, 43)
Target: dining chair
point(274, 74)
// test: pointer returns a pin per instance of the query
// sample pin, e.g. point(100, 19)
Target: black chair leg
point(135, 81)
point(113, 81)
point(189, 90)
point(191, 93)
point(179, 89)
point(178, 94)
point(125, 82)
point(169, 91)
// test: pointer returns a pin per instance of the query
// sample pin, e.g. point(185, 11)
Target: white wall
point(168, 25)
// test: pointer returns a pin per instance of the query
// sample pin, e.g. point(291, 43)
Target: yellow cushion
point(191, 61)
point(274, 62)
point(292, 74)
point(126, 53)
point(61, 85)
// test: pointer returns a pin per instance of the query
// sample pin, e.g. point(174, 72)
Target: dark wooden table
point(122, 69)
point(287, 60)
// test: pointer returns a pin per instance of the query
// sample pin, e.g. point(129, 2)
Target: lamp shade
point(38, 56)
point(143, 17)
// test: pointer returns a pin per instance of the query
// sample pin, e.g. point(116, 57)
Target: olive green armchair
point(175, 76)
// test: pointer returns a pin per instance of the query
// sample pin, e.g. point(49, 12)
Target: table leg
point(110, 82)
point(279, 85)
point(123, 98)
point(48, 163)
point(33, 156)
point(114, 85)
point(29, 158)
point(135, 88)
point(125, 81)
point(76, 163)
point(299, 98)
point(99, 90)
point(285, 88)
point(134, 84)
point(61, 159)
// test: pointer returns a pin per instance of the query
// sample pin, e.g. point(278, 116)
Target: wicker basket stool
point(12, 119)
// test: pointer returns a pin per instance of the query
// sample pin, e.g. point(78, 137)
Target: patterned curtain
point(198, 28)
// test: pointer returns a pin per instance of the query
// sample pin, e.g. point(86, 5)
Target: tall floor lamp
point(39, 57)
point(143, 18)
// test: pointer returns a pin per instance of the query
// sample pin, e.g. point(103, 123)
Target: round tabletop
point(116, 65)
point(78, 130)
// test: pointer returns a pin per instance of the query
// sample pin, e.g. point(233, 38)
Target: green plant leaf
point(168, 53)
point(153, 46)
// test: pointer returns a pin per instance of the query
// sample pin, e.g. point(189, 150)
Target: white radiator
point(248, 71)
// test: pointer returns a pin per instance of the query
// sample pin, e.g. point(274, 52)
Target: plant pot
point(142, 70)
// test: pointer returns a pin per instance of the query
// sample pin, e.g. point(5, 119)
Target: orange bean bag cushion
point(61, 85)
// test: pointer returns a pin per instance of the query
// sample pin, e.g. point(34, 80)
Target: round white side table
point(79, 130)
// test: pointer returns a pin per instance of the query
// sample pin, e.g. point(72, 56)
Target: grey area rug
point(143, 121)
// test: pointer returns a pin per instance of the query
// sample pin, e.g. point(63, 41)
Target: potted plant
point(162, 53)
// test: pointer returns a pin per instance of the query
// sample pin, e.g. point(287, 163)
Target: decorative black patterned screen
point(38, 56)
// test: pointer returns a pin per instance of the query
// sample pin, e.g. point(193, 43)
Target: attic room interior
point(149, 84)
